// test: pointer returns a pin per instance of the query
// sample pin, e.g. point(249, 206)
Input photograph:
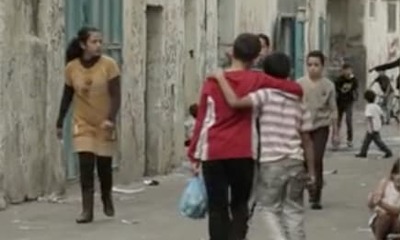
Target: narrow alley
point(150, 212)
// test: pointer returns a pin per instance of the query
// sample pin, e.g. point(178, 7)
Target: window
point(372, 8)
point(392, 16)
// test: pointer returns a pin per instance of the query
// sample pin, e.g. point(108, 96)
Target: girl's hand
point(376, 198)
point(107, 125)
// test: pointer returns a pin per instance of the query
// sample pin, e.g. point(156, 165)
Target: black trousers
point(320, 138)
point(346, 109)
point(87, 163)
point(229, 184)
point(376, 138)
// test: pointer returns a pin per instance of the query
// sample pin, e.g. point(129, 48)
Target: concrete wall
point(31, 71)
point(164, 102)
point(162, 84)
point(346, 37)
point(382, 46)
point(314, 10)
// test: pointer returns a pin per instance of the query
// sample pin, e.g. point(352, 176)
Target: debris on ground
point(127, 190)
point(151, 182)
point(130, 222)
point(331, 172)
point(53, 198)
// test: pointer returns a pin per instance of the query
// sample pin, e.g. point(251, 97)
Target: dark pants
point(320, 139)
point(87, 163)
point(348, 110)
point(376, 138)
point(229, 185)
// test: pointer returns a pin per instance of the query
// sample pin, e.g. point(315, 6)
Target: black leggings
point(229, 184)
point(87, 162)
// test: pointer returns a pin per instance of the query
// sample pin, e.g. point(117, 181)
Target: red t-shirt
point(222, 132)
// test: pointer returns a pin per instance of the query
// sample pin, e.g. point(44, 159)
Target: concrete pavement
point(152, 214)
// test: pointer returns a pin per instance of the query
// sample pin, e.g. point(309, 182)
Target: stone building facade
point(168, 46)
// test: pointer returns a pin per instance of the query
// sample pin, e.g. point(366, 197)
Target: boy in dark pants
point(346, 94)
point(225, 144)
point(373, 114)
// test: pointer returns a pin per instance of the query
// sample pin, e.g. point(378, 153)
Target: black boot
point(104, 169)
point(86, 165)
point(316, 199)
point(108, 206)
point(87, 209)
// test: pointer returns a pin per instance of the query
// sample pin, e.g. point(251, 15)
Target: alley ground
point(152, 214)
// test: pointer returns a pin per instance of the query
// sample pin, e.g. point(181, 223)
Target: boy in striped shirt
point(285, 143)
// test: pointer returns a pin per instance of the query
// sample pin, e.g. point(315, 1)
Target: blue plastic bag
point(193, 203)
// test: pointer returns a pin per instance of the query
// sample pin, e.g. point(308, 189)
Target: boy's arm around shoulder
point(281, 84)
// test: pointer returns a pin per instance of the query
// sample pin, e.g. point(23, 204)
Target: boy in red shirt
point(225, 141)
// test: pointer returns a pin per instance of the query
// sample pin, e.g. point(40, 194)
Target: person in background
point(189, 123)
point(224, 142)
point(383, 89)
point(320, 99)
point(285, 145)
point(347, 94)
point(384, 202)
point(265, 50)
point(373, 113)
point(92, 89)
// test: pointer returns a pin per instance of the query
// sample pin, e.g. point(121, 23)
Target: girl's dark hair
point(74, 49)
point(395, 168)
point(317, 54)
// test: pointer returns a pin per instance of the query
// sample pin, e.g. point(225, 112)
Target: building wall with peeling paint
point(382, 46)
point(31, 55)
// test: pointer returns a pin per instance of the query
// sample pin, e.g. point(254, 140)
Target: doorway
point(153, 89)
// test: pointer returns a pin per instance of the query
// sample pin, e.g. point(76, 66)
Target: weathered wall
point(314, 10)
point(381, 45)
point(167, 129)
point(346, 37)
point(30, 56)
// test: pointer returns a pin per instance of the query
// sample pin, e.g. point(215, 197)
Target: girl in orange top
point(93, 87)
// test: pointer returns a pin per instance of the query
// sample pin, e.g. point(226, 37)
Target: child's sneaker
point(388, 155)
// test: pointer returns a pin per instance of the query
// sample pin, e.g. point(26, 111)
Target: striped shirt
point(283, 118)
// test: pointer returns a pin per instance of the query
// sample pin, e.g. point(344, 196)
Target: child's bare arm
point(377, 194)
point(389, 208)
point(230, 95)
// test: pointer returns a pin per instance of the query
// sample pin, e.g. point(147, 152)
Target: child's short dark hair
point(193, 110)
point(369, 96)
point(277, 64)
point(317, 54)
point(246, 47)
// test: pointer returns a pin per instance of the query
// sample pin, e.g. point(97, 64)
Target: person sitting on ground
point(373, 113)
point(384, 201)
